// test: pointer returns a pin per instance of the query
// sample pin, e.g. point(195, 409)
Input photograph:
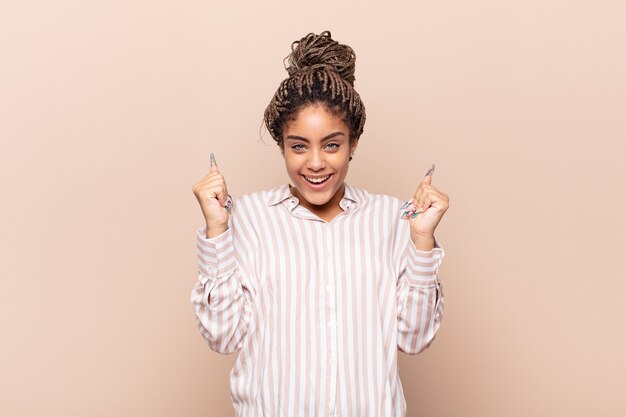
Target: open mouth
point(317, 182)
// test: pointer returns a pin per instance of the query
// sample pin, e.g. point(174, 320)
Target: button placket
point(331, 314)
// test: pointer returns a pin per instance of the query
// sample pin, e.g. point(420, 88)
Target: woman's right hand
point(212, 195)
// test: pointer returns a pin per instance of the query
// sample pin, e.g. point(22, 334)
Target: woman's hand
point(429, 204)
point(214, 200)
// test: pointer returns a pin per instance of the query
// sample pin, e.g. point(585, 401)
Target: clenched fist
point(214, 200)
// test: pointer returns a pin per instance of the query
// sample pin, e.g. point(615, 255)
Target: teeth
point(317, 180)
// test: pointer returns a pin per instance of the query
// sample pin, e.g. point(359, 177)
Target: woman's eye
point(299, 146)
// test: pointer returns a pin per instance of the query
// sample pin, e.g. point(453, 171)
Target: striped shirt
point(317, 309)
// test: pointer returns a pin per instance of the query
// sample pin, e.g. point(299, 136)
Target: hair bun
point(315, 51)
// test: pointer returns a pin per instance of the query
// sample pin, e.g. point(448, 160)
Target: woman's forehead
point(316, 120)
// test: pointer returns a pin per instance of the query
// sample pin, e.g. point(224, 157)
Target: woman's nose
point(316, 161)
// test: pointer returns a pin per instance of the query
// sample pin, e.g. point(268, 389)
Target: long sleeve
point(420, 297)
point(223, 295)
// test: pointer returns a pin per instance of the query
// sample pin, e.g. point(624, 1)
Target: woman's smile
point(317, 183)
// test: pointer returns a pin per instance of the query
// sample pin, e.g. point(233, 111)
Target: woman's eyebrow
point(327, 137)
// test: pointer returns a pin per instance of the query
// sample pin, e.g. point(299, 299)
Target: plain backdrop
point(109, 111)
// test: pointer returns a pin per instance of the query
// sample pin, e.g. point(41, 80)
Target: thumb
point(214, 167)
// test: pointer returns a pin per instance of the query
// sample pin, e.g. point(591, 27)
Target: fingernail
point(415, 214)
point(430, 171)
point(405, 205)
point(409, 212)
point(229, 204)
point(213, 159)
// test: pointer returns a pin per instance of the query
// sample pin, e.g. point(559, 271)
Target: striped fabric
point(316, 309)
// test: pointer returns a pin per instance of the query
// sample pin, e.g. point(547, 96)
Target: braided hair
point(321, 71)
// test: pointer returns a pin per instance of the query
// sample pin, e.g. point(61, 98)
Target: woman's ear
point(352, 149)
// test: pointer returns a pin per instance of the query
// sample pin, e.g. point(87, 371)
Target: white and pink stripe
point(317, 309)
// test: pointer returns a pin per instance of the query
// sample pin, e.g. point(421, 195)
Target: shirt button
point(329, 287)
point(331, 323)
point(328, 254)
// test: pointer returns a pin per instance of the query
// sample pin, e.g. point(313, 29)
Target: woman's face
point(316, 146)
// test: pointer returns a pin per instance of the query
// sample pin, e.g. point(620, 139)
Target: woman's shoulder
point(264, 197)
point(369, 197)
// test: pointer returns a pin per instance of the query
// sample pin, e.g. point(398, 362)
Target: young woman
point(316, 282)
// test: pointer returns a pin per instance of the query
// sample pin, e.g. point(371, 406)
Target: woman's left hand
point(430, 204)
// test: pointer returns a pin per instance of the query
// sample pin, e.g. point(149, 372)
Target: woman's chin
point(317, 197)
point(317, 200)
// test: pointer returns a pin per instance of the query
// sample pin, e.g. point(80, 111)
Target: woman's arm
point(420, 298)
point(223, 295)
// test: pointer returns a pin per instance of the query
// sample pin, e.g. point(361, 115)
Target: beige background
point(109, 110)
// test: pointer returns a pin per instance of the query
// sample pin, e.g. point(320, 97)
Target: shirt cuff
point(216, 255)
point(423, 266)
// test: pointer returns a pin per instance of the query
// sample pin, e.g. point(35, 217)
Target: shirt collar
point(282, 193)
